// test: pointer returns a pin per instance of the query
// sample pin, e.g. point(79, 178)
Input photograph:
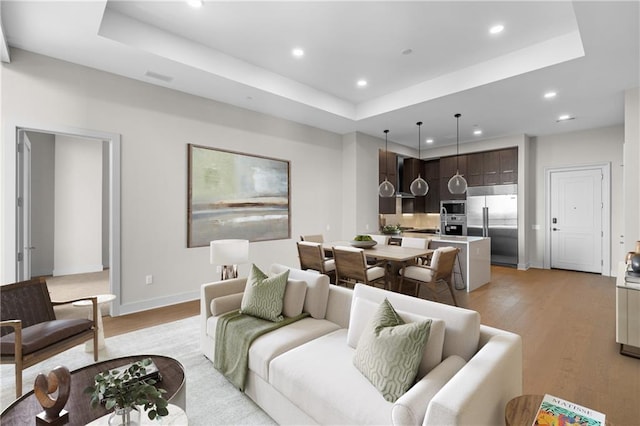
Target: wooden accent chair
point(351, 268)
point(439, 270)
point(316, 238)
point(312, 257)
point(29, 330)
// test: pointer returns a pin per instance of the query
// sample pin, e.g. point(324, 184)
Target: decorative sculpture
point(59, 379)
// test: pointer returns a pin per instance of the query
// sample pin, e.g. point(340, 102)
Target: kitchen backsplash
point(415, 220)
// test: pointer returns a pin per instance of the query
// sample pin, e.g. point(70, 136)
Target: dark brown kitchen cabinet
point(475, 169)
point(448, 167)
point(431, 173)
point(491, 165)
point(509, 166)
point(412, 167)
point(387, 168)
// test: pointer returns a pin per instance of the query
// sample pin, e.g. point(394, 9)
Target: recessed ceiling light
point(297, 52)
point(477, 132)
point(362, 83)
point(565, 117)
point(496, 29)
point(550, 95)
point(407, 51)
point(429, 141)
point(195, 3)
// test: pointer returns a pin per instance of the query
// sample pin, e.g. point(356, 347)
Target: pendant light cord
point(419, 123)
point(386, 154)
point(457, 116)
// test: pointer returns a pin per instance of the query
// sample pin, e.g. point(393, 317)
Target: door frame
point(10, 221)
point(605, 170)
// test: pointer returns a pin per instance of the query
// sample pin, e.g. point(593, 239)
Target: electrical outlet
point(218, 269)
point(148, 279)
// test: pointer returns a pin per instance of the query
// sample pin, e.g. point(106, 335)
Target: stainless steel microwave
point(456, 207)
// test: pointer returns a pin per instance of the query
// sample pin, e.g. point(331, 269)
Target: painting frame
point(236, 195)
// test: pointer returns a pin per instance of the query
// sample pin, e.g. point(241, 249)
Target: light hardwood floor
point(567, 323)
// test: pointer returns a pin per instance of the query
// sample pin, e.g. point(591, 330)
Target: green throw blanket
point(234, 334)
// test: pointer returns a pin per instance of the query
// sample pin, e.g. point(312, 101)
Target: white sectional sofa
point(303, 373)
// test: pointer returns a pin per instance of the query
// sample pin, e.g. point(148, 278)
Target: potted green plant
point(126, 388)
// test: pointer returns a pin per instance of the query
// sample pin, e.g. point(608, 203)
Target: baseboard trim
point(81, 269)
point(145, 305)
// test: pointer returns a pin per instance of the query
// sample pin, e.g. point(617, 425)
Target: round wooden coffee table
point(24, 410)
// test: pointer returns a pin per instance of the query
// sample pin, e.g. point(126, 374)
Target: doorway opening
point(578, 219)
point(83, 222)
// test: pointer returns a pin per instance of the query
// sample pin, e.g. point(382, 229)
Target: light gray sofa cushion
point(315, 302)
point(294, 294)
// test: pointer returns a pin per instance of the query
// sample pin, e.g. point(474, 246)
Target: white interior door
point(576, 220)
point(23, 217)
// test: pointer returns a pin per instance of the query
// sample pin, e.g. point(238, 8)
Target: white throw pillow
point(294, 295)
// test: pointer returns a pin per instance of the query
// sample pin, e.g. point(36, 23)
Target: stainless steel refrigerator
point(492, 211)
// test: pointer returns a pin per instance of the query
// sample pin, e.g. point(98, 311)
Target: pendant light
point(419, 187)
point(457, 184)
point(386, 188)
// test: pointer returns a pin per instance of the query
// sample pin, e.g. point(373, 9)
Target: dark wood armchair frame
point(33, 311)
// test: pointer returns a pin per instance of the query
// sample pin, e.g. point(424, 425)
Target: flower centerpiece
point(126, 388)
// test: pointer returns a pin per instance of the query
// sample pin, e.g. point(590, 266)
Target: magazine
point(555, 411)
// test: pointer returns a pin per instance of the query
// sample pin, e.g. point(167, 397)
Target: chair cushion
point(375, 273)
point(263, 295)
point(417, 273)
point(389, 351)
point(329, 265)
point(44, 334)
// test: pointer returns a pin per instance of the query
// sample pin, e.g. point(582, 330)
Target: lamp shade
point(229, 252)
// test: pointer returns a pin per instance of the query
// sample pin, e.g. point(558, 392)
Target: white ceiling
point(239, 52)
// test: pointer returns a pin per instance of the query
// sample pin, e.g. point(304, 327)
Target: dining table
point(396, 256)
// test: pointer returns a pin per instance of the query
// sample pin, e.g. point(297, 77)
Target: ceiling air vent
point(157, 76)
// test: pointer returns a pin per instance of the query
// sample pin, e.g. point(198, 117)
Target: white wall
point(597, 146)
point(78, 206)
point(42, 202)
point(155, 125)
point(631, 158)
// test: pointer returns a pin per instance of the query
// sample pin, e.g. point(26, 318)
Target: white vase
point(127, 416)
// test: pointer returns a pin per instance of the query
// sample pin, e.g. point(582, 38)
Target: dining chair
point(439, 270)
point(420, 243)
point(314, 238)
point(351, 268)
point(383, 240)
point(312, 257)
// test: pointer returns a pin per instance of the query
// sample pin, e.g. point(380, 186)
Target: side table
point(102, 298)
point(522, 410)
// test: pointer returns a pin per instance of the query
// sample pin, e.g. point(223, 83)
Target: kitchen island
point(475, 256)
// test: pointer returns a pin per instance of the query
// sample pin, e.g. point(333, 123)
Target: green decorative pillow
point(263, 295)
point(389, 351)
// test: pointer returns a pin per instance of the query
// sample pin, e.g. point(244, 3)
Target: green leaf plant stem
point(127, 388)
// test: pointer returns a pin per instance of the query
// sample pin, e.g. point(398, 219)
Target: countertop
point(443, 238)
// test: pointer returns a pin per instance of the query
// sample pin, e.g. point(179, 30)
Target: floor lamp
point(228, 254)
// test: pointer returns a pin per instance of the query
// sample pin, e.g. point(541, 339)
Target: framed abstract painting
point(236, 196)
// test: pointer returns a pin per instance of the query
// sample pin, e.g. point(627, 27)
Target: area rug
point(211, 399)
